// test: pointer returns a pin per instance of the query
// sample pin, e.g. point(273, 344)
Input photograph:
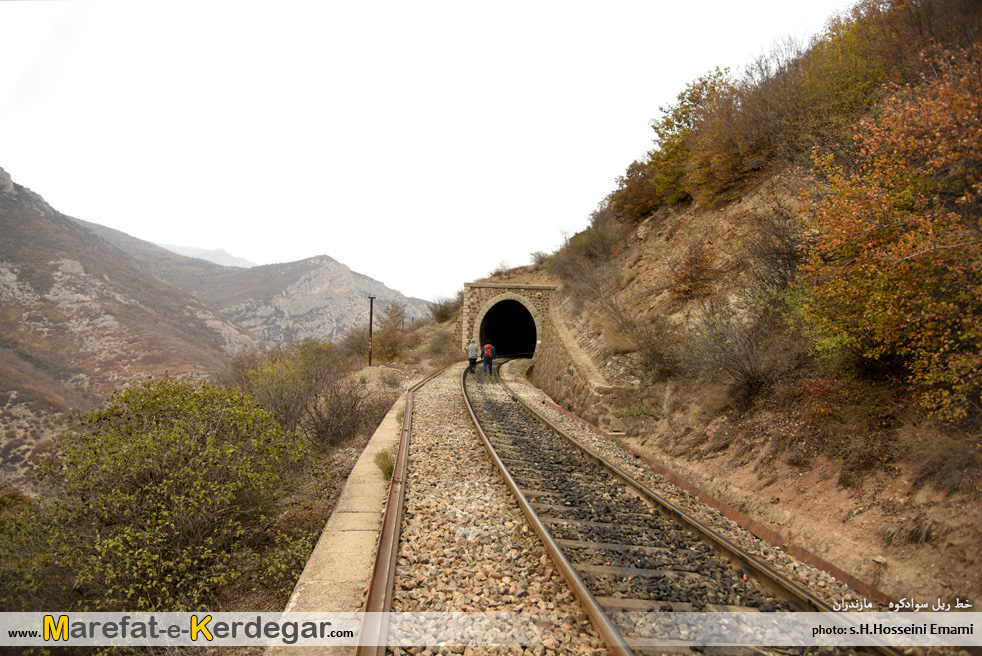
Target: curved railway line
point(621, 547)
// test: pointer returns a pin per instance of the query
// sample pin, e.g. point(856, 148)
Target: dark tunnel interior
point(510, 327)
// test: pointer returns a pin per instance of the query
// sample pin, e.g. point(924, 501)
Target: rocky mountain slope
point(78, 317)
point(85, 309)
point(317, 298)
point(314, 298)
point(85, 312)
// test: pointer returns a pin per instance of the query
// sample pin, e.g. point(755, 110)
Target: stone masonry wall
point(561, 368)
point(565, 372)
point(478, 298)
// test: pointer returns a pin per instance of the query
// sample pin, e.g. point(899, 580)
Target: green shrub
point(305, 386)
point(278, 565)
point(157, 499)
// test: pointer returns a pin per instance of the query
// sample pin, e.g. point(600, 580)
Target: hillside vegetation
point(790, 282)
point(867, 253)
point(85, 309)
point(209, 460)
point(184, 496)
point(791, 276)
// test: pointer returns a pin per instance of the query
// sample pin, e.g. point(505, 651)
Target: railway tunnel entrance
point(510, 327)
point(513, 317)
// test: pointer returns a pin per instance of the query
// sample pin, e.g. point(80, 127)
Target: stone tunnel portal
point(510, 327)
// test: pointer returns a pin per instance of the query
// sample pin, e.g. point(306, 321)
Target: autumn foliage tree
point(661, 177)
point(895, 269)
point(723, 128)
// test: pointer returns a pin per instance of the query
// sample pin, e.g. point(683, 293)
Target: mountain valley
point(84, 309)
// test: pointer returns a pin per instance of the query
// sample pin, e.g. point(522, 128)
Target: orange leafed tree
point(895, 268)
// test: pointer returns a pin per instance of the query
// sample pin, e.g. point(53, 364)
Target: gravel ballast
point(821, 584)
point(465, 546)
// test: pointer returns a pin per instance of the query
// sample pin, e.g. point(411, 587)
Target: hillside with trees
point(208, 459)
point(85, 309)
point(186, 495)
point(786, 291)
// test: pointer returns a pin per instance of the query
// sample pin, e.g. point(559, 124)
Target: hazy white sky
point(420, 143)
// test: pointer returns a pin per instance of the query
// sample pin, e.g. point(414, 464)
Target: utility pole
point(371, 312)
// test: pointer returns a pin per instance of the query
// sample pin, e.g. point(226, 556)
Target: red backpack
point(487, 350)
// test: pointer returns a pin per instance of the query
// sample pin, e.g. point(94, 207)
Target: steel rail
point(598, 618)
point(379, 597)
point(771, 579)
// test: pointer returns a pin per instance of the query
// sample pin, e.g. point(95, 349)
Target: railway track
point(621, 548)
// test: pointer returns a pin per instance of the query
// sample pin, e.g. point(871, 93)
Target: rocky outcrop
point(316, 298)
point(78, 318)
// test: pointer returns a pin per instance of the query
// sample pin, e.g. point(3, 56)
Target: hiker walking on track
point(473, 350)
point(488, 358)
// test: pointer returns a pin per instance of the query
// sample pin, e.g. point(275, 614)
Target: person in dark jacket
point(489, 358)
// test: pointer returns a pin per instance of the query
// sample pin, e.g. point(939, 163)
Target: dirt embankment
point(788, 459)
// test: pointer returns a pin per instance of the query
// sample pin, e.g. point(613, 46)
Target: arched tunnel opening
point(510, 327)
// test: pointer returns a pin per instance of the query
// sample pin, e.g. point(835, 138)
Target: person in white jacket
point(473, 351)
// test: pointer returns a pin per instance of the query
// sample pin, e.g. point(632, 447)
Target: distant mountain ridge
point(216, 255)
point(82, 309)
point(315, 298)
point(78, 317)
point(85, 309)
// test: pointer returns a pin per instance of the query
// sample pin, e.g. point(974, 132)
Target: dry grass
point(659, 348)
point(949, 460)
point(385, 462)
point(919, 530)
point(618, 342)
point(798, 457)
